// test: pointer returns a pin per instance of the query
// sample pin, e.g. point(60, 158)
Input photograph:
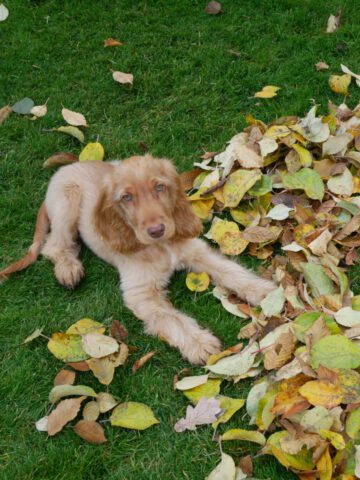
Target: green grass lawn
point(189, 94)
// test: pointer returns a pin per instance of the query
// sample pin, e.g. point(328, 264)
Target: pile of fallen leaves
point(84, 347)
point(287, 193)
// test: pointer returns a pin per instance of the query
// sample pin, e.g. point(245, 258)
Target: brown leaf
point(111, 42)
point(118, 331)
point(63, 413)
point(79, 366)
point(258, 234)
point(90, 431)
point(139, 363)
point(277, 355)
point(321, 66)
point(187, 178)
point(91, 411)
point(123, 78)
point(351, 257)
point(356, 141)
point(207, 155)
point(349, 228)
point(246, 465)
point(213, 8)
point(65, 377)
point(60, 158)
point(5, 112)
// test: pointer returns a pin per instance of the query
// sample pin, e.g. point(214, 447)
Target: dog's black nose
point(156, 231)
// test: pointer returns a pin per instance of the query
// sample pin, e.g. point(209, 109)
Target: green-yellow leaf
point(247, 435)
point(92, 152)
point(133, 415)
point(70, 390)
point(208, 390)
point(72, 131)
point(301, 461)
point(269, 91)
point(197, 282)
point(335, 351)
point(188, 383)
point(352, 426)
point(84, 326)
point(261, 187)
point(238, 184)
point(340, 83)
point(315, 276)
point(335, 439)
point(231, 406)
point(304, 155)
point(273, 303)
point(305, 179)
point(37, 333)
point(67, 347)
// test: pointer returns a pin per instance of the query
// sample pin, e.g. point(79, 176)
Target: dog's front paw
point(69, 272)
point(257, 291)
point(199, 348)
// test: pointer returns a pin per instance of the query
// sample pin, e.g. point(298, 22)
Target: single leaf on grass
point(144, 359)
point(340, 83)
point(213, 8)
point(91, 411)
point(315, 276)
point(38, 111)
point(106, 402)
point(347, 317)
point(335, 351)
point(118, 331)
point(209, 389)
point(123, 78)
point(269, 91)
point(305, 179)
point(92, 152)
point(72, 131)
point(37, 333)
point(133, 415)
point(67, 347)
point(206, 411)
point(352, 426)
point(226, 469)
point(24, 106)
point(238, 184)
point(197, 282)
point(273, 303)
point(102, 368)
point(321, 66)
point(97, 345)
point(63, 413)
point(86, 325)
point(59, 159)
point(333, 24)
point(111, 42)
point(237, 364)
point(5, 112)
point(342, 184)
point(188, 383)
point(247, 435)
point(65, 377)
point(70, 390)
point(42, 424)
point(322, 393)
point(73, 118)
point(90, 431)
point(4, 12)
point(231, 406)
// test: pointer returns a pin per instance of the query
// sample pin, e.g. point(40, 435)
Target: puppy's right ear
point(110, 223)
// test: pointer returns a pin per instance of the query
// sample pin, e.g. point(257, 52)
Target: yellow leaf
point(208, 390)
point(197, 282)
point(231, 406)
point(202, 208)
point(225, 353)
point(86, 325)
point(340, 83)
point(247, 435)
point(323, 393)
point(133, 415)
point(304, 154)
point(233, 243)
point(336, 439)
point(324, 466)
point(267, 92)
point(238, 184)
point(103, 369)
point(92, 152)
point(277, 131)
point(67, 347)
point(72, 131)
point(301, 461)
point(221, 227)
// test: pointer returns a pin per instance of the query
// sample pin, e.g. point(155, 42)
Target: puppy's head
point(146, 194)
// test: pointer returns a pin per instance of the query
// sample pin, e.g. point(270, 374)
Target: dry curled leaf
point(321, 66)
point(213, 8)
point(111, 42)
point(139, 363)
point(123, 78)
point(60, 158)
point(5, 112)
point(63, 413)
point(118, 331)
point(334, 21)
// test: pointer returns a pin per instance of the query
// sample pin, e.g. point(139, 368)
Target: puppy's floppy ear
point(187, 224)
point(110, 223)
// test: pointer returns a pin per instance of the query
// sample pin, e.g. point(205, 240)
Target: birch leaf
point(273, 303)
point(123, 78)
point(4, 12)
point(133, 415)
point(92, 152)
point(238, 184)
point(60, 391)
point(72, 131)
point(269, 91)
point(90, 431)
point(97, 345)
point(73, 118)
point(187, 383)
point(247, 435)
point(63, 413)
point(67, 347)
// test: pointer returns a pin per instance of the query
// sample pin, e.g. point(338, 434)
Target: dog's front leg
point(150, 305)
point(199, 257)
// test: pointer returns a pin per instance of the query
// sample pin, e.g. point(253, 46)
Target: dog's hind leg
point(61, 246)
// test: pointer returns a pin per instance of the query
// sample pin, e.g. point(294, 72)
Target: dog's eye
point(127, 197)
point(159, 187)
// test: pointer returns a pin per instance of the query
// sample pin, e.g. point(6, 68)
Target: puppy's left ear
point(187, 224)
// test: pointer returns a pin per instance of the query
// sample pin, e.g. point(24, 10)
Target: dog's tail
point(41, 230)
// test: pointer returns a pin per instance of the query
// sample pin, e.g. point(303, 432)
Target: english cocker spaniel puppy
point(134, 215)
